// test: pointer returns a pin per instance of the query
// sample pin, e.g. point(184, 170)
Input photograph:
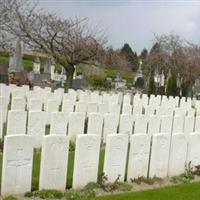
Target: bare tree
point(68, 41)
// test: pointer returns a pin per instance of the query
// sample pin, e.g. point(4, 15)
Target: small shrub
point(197, 170)
point(10, 198)
point(186, 177)
point(45, 194)
point(149, 181)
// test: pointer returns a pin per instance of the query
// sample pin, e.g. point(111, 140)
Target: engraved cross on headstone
point(18, 163)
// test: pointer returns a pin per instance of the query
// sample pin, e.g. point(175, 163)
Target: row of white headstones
point(168, 155)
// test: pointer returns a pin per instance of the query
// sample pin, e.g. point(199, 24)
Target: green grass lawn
point(181, 192)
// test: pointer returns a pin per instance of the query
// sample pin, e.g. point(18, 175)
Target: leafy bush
point(99, 82)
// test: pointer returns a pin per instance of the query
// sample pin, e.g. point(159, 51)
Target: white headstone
point(178, 154)
point(1, 125)
point(115, 157)
point(193, 154)
point(160, 155)
point(92, 108)
point(166, 124)
point(35, 105)
point(127, 109)
point(153, 124)
point(138, 156)
point(67, 106)
point(140, 124)
point(95, 124)
point(52, 106)
point(18, 103)
point(110, 124)
point(81, 107)
point(126, 124)
point(178, 124)
point(86, 160)
point(103, 108)
point(76, 124)
point(197, 124)
point(36, 126)
point(17, 165)
point(16, 122)
point(115, 109)
point(137, 109)
point(189, 124)
point(54, 161)
point(59, 121)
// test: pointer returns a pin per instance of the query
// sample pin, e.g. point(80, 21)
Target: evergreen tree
point(171, 86)
point(144, 54)
point(131, 56)
point(152, 87)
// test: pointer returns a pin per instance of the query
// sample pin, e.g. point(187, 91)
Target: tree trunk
point(70, 73)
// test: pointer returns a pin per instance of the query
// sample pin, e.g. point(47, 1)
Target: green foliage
point(10, 198)
point(98, 82)
point(152, 87)
point(130, 56)
point(110, 187)
point(144, 54)
point(171, 86)
point(186, 177)
point(197, 170)
point(149, 181)
point(72, 146)
point(46, 194)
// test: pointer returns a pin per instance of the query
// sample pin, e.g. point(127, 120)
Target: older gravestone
point(178, 154)
point(138, 156)
point(160, 155)
point(54, 161)
point(36, 126)
point(17, 165)
point(126, 124)
point(16, 122)
point(193, 154)
point(95, 124)
point(76, 124)
point(86, 160)
point(59, 121)
point(115, 157)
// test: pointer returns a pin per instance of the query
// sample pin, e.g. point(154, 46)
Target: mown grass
point(181, 192)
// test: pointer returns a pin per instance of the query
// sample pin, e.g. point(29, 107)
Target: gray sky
point(134, 22)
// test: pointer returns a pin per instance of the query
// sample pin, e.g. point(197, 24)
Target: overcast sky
point(134, 22)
